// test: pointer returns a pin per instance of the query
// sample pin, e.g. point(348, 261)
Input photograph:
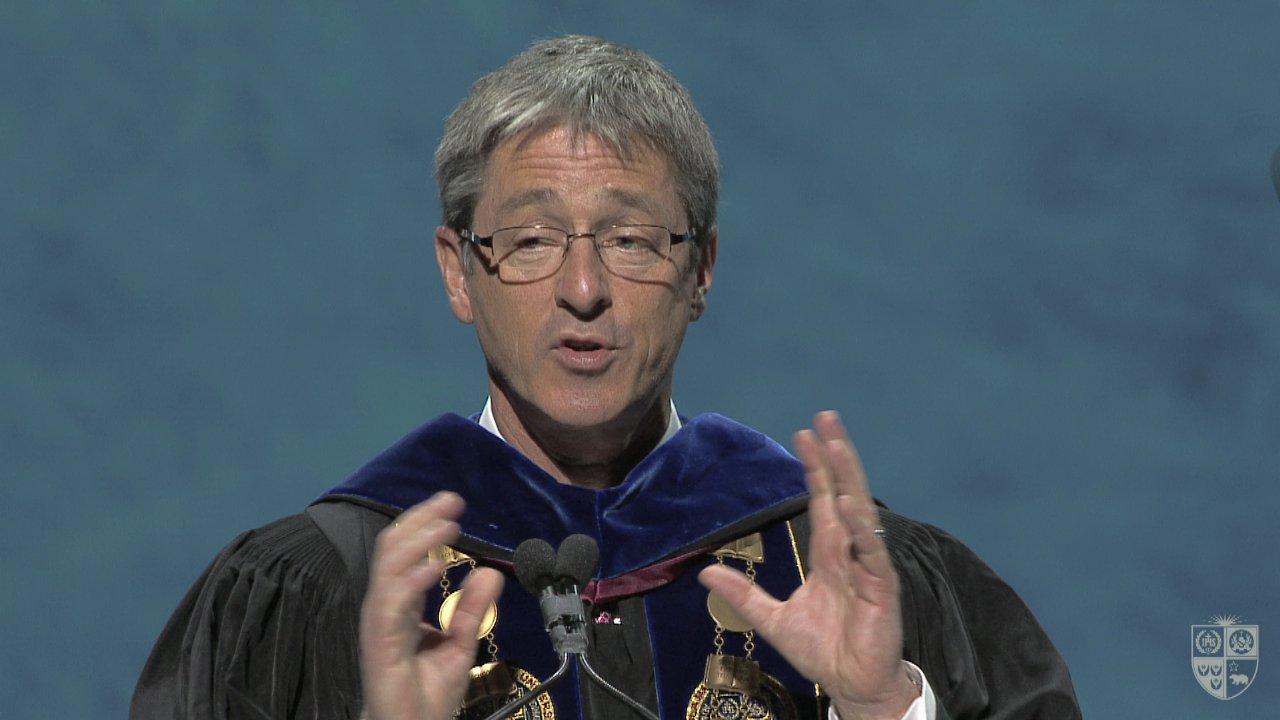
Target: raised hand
point(411, 670)
point(843, 627)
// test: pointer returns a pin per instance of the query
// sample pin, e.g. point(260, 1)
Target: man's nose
point(583, 284)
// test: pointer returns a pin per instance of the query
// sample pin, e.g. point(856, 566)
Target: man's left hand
point(843, 627)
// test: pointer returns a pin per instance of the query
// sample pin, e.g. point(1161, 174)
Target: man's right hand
point(411, 670)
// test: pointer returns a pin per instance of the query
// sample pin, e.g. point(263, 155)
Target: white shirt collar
point(488, 423)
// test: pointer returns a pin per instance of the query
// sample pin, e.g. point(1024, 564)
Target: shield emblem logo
point(1224, 657)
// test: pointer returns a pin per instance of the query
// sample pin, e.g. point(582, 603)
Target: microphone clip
point(565, 618)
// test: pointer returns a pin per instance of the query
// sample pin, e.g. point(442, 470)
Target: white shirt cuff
point(924, 707)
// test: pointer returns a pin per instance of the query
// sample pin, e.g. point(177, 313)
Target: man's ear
point(453, 271)
point(702, 279)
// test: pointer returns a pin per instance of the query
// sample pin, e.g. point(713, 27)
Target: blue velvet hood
point(712, 481)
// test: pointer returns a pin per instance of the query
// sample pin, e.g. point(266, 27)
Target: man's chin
point(586, 406)
point(587, 412)
point(584, 418)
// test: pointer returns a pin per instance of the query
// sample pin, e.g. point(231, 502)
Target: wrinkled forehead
point(643, 173)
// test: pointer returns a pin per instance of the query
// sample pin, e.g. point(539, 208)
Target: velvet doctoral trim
point(714, 479)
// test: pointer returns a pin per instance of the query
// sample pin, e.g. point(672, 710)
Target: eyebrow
point(533, 196)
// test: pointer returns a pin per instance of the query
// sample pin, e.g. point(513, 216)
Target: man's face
point(584, 348)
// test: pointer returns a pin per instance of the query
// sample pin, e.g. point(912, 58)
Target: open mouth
point(583, 345)
point(585, 354)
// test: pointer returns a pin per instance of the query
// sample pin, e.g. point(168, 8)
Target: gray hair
point(591, 88)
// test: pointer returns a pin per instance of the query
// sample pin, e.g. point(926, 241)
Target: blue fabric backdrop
point(1029, 250)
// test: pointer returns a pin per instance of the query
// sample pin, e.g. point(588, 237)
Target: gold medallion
point(749, 549)
point(448, 556)
point(734, 688)
point(495, 684)
point(450, 605)
point(725, 616)
point(730, 672)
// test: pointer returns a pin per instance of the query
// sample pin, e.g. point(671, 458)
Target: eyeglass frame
point(474, 238)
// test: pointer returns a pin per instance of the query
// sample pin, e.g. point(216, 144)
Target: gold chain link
point(749, 637)
point(719, 638)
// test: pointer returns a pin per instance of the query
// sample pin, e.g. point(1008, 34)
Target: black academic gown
point(270, 629)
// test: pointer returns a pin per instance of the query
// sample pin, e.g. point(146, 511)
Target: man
point(579, 189)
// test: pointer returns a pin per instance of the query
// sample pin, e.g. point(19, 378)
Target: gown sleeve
point(983, 651)
point(269, 631)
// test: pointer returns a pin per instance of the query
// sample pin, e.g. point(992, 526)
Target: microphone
point(578, 558)
point(1275, 171)
point(556, 579)
point(563, 615)
point(535, 565)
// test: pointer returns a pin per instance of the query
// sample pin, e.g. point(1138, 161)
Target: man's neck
point(591, 458)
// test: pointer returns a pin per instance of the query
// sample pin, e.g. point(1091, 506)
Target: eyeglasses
point(526, 254)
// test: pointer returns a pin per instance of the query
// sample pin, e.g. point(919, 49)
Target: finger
point(422, 528)
point(390, 616)
point(867, 548)
point(854, 494)
point(822, 511)
point(404, 561)
point(854, 505)
point(482, 587)
point(400, 569)
point(849, 478)
point(752, 602)
point(848, 475)
point(440, 505)
point(817, 473)
point(829, 537)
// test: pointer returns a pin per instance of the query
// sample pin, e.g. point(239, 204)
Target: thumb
point(749, 600)
point(481, 587)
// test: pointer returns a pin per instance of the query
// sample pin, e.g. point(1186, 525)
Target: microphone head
point(1275, 170)
point(577, 559)
point(535, 564)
